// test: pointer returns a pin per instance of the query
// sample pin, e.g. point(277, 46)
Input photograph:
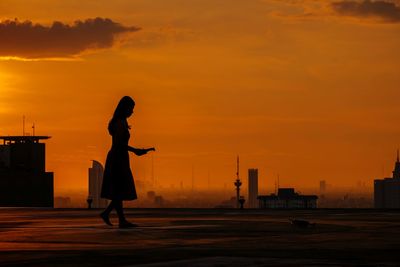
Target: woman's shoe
point(126, 224)
point(106, 219)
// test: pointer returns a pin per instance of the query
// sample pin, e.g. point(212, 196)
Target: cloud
point(385, 10)
point(303, 10)
point(35, 41)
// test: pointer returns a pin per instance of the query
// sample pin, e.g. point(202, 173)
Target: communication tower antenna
point(33, 129)
point(237, 168)
point(23, 125)
point(209, 179)
point(237, 184)
point(278, 183)
point(152, 170)
point(192, 177)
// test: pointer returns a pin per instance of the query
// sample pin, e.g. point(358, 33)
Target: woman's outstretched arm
point(140, 151)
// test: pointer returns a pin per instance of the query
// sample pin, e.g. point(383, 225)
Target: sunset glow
point(307, 90)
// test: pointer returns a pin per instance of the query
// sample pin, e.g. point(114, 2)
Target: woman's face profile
point(129, 111)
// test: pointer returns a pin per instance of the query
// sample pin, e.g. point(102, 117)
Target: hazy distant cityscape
point(351, 197)
point(22, 168)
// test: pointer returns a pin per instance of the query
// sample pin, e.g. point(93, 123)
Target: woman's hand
point(146, 150)
point(141, 151)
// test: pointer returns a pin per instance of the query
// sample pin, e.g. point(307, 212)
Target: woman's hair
point(121, 111)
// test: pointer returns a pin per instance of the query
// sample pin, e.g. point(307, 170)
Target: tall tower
point(95, 182)
point(253, 188)
point(237, 183)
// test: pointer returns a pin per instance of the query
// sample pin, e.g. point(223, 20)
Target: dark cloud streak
point(28, 40)
point(386, 11)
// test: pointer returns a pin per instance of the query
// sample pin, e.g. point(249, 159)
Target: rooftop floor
point(198, 237)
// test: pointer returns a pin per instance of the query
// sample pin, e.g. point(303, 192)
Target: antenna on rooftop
point(278, 182)
point(23, 125)
point(33, 129)
point(237, 167)
point(192, 178)
point(208, 180)
point(152, 170)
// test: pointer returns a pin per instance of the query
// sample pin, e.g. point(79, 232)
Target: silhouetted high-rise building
point(24, 181)
point(95, 182)
point(387, 190)
point(253, 188)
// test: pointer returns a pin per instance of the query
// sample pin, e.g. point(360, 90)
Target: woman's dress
point(118, 183)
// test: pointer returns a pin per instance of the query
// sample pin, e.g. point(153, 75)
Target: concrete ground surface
point(200, 237)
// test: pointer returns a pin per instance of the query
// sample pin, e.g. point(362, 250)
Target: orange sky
point(307, 89)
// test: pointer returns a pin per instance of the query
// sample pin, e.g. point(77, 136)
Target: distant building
point(227, 204)
point(387, 190)
point(253, 188)
point(287, 198)
point(159, 201)
point(24, 181)
point(95, 181)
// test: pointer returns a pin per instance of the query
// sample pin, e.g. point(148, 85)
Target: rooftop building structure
point(253, 188)
point(95, 182)
point(387, 190)
point(24, 181)
point(287, 198)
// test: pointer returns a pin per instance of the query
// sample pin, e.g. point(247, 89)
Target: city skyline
point(304, 89)
point(199, 132)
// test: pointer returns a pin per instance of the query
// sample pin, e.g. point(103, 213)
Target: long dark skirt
point(118, 181)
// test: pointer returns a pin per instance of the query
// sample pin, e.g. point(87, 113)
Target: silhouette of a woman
point(118, 184)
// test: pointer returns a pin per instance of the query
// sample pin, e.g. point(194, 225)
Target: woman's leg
point(120, 210)
point(123, 223)
point(109, 208)
point(106, 213)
